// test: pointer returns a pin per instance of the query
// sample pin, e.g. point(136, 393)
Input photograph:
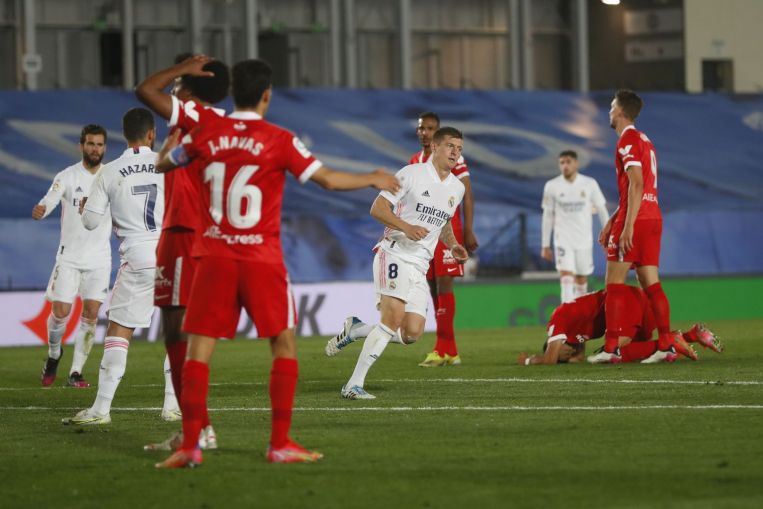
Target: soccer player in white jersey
point(415, 217)
point(568, 204)
point(134, 190)
point(83, 259)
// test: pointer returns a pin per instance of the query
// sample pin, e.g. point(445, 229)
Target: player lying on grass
point(574, 323)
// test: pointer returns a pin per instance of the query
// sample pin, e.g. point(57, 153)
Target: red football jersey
point(585, 318)
point(241, 171)
point(579, 320)
point(461, 170)
point(634, 147)
point(180, 194)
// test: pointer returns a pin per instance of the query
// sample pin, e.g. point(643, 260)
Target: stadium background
point(523, 79)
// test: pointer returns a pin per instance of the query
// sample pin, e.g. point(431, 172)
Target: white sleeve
point(53, 197)
point(598, 200)
point(91, 219)
point(406, 179)
point(547, 223)
point(99, 197)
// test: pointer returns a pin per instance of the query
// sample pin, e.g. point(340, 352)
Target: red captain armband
point(179, 156)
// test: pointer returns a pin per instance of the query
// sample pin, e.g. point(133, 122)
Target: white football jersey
point(135, 192)
point(567, 209)
point(79, 247)
point(423, 200)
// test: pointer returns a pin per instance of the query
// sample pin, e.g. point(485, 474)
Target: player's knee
point(61, 310)
point(410, 335)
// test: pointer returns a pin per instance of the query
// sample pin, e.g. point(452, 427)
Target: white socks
point(568, 288)
point(170, 401)
point(375, 343)
point(56, 329)
point(113, 367)
point(361, 330)
point(83, 343)
point(581, 289)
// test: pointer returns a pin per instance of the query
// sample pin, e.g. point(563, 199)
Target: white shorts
point(66, 282)
point(577, 261)
point(402, 280)
point(132, 300)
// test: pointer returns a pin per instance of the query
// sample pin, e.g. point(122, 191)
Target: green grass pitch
point(485, 434)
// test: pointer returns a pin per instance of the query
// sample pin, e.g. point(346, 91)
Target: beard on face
point(92, 160)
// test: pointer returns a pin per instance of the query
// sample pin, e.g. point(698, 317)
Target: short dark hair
point(250, 80)
point(430, 114)
point(136, 123)
point(630, 102)
point(442, 132)
point(568, 153)
point(210, 89)
point(92, 129)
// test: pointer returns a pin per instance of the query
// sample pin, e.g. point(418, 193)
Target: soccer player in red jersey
point(241, 168)
point(444, 266)
point(632, 235)
point(573, 324)
point(199, 82)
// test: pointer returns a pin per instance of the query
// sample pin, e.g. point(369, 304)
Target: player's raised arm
point(51, 199)
point(381, 210)
point(151, 91)
point(334, 180)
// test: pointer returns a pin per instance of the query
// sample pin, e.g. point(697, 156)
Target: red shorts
point(223, 286)
point(174, 268)
point(443, 263)
point(646, 243)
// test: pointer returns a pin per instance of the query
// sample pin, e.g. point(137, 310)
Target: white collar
point(629, 127)
point(143, 149)
point(245, 115)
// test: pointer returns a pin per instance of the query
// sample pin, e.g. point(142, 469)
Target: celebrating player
point(134, 190)
point(83, 258)
point(568, 203)
point(632, 234)
point(199, 82)
point(415, 219)
point(573, 324)
point(241, 171)
point(444, 266)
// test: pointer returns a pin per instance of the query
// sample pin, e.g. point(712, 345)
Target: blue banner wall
point(709, 151)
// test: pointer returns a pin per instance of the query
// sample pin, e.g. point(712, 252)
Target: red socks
point(446, 335)
point(637, 350)
point(616, 312)
point(661, 309)
point(194, 402)
point(283, 385)
point(176, 354)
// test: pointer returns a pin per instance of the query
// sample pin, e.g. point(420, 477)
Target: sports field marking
point(463, 380)
point(511, 408)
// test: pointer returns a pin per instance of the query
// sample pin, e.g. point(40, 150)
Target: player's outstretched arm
point(550, 356)
point(334, 180)
point(448, 238)
point(381, 210)
point(93, 208)
point(151, 91)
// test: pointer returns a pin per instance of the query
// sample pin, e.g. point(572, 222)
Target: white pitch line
point(510, 408)
point(464, 380)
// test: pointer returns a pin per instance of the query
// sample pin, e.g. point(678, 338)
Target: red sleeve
point(414, 158)
point(461, 169)
point(630, 148)
point(297, 158)
point(193, 143)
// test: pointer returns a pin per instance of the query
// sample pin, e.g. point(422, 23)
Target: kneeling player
point(574, 323)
